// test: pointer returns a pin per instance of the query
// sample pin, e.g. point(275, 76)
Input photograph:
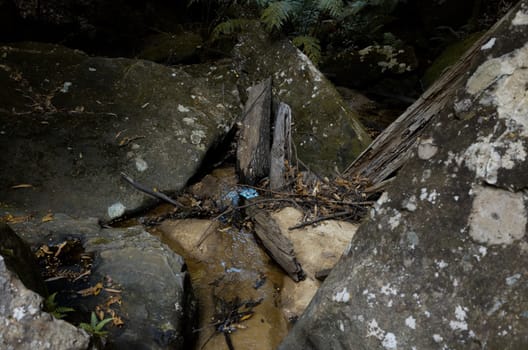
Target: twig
point(150, 192)
point(347, 202)
point(319, 219)
point(208, 230)
point(228, 341)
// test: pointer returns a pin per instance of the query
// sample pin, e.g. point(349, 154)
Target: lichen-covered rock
point(25, 326)
point(442, 263)
point(155, 298)
point(327, 134)
point(70, 124)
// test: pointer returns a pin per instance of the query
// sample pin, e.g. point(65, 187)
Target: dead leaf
point(99, 312)
point(14, 219)
point(245, 317)
point(116, 320)
point(113, 300)
point(43, 251)
point(21, 186)
point(62, 245)
point(94, 290)
point(47, 217)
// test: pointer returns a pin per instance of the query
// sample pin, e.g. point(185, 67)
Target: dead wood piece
point(280, 149)
point(380, 186)
point(253, 150)
point(150, 192)
point(278, 246)
point(321, 218)
point(393, 147)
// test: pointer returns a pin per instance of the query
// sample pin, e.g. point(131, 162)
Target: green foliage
point(310, 46)
point(230, 27)
point(334, 7)
point(277, 13)
point(95, 327)
point(302, 20)
point(51, 306)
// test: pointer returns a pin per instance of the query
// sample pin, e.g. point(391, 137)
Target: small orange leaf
point(112, 300)
point(98, 288)
point(14, 219)
point(95, 290)
point(62, 245)
point(47, 217)
point(245, 317)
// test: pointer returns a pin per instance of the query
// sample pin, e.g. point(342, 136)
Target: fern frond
point(310, 46)
point(277, 13)
point(334, 7)
point(230, 27)
point(260, 3)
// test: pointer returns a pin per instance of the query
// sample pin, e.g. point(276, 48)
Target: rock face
point(326, 132)
point(317, 249)
point(155, 299)
point(72, 123)
point(443, 261)
point(19, 259)
point(25, 326)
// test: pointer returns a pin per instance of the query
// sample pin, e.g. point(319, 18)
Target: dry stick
point(150, 192)
point(348, 203)
point(207, 231)
point(319, 219)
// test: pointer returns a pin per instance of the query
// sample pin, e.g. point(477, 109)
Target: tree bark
point(280, 150)
point(253, 151)
point(391, 149)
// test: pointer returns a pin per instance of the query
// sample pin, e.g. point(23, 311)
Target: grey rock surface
point(25, 326)
point(156, 300)
point(19, 258)
point(70, 124)
point(442, 263)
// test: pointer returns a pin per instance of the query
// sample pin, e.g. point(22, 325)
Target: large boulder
point(442, 263)
point(72, 123)
point(143, 282)
point(25, 326)
point(327, 134)
point(19, 258)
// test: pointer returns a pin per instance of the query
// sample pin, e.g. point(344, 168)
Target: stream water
point(227, 266)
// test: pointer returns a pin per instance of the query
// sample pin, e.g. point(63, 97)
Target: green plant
point(51, 306)
point(302, 20)
point(95, 327)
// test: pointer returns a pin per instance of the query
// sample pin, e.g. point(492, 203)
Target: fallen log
point(278, 246)
point(390, 150)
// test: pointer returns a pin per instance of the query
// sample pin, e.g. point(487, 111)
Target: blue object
point(233, 197)
point(248, 193)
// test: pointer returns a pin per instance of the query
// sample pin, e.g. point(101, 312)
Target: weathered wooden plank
point(390, 150)
point(277, 245)
point(280, 149)
point(253, 151)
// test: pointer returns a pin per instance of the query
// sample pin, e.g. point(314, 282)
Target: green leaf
point(310, 46)
point(95, 327)
point(101, 324)
point(230, 27)
point(277, 13)
point(50, 304)
point(93, 320)
point(334, 7)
